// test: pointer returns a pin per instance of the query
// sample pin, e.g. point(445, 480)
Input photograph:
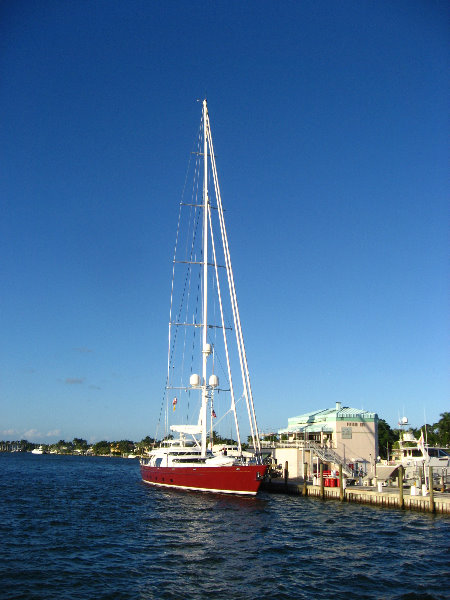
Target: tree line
point(437, 434)
point(81, 446)
point(102, 448)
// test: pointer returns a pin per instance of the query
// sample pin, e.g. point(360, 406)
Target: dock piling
point(430, 483)
point(400, 487)
point(341, 485)
point(305, 479)
point(322, 488)
point(286, 473)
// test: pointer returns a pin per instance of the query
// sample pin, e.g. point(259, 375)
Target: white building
point(340, 435)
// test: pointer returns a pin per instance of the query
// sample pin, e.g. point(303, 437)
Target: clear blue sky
point(330, 123)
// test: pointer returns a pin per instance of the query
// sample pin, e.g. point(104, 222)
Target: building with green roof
point(339, 435)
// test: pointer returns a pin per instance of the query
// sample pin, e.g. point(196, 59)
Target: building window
point(346, 433)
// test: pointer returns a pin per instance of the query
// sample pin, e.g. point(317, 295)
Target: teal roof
point(316, 420)
point(313, 428)
point(355, 412)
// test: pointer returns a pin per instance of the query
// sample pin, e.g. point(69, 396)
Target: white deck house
point(340, 435)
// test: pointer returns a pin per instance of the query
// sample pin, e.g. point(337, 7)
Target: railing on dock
point(324, 453)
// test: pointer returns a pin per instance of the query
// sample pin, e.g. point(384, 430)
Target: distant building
point(340, 435)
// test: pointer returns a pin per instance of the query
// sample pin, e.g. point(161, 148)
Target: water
point(88, 528)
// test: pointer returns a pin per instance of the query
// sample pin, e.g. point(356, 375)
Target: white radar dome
point(213, 381)
point(194, 380)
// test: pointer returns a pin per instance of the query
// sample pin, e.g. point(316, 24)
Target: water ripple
point(76, 528)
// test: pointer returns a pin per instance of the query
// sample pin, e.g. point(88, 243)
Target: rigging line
point(197, 302)
point(194, 196)
point(189, 275)
point(215, 330)
point(216, 355)
point(188, 280)
point(170, 354)
point(186, 316)
point(183, 294)
point(234, 303)
point(199, 133)
point(220, 419)
point(193, 340)
point(225, 341)
point(170, 320)
point(221, 367)
point(191, 222)
point(179, 216)
point(194, 323)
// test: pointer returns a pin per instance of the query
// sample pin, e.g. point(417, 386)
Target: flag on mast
point(174, 403)
point(421, 443)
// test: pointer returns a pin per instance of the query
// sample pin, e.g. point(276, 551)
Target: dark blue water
point(87, 528)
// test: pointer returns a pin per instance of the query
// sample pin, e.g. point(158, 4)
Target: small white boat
point(39, 450)
point(413, 453)
point(415, 456)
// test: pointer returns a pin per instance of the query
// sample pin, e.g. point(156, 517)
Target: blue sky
point(330, 124)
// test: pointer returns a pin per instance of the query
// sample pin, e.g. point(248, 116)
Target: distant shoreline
point(86, 454)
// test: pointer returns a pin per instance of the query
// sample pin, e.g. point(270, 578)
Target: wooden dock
point(390, 497)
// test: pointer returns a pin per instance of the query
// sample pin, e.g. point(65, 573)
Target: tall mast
point(205, 280)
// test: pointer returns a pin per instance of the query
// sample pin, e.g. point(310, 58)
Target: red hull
point(237, 479)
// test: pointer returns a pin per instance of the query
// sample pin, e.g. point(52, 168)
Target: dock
point(389, 497)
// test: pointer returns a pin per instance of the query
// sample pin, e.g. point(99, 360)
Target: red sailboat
point(202, 339)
